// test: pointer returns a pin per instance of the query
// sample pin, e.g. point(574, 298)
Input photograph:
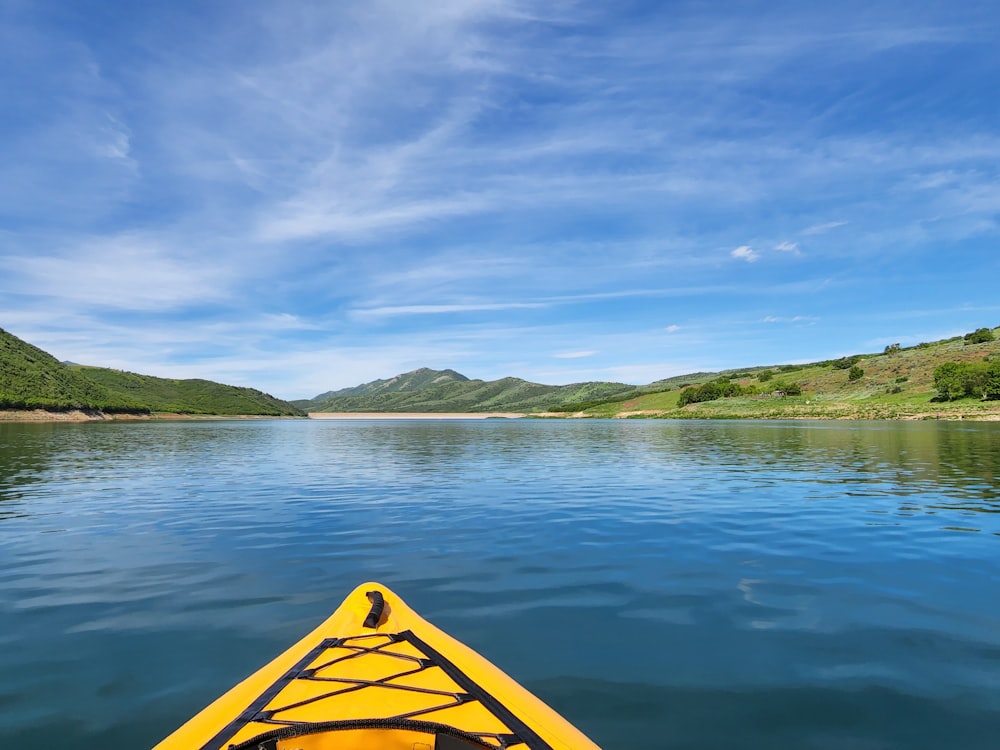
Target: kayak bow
point(377, 676)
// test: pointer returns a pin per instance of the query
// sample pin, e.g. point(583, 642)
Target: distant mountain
point(900, 382)
point(410, 381)
point(193, 396)
point(426, 390)
point(33, 379)
point(897, 383)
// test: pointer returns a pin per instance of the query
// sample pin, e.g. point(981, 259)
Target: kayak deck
point(377, 676)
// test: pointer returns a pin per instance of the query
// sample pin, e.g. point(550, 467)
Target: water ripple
point(711, 584)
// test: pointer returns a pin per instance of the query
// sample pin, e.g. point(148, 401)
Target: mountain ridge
point(435, 391)
point(190, 395)
point(407, 381)
point(899, 383)
point(896, 383)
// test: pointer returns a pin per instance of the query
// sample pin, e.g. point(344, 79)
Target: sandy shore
point(413, 415)
point(77, 415)
point(41, 415)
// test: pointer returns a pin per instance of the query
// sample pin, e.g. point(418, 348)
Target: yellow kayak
point(377, 676)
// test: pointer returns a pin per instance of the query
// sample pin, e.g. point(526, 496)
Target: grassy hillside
point(893, 385)
point(187, 396)
point(447, 391)
point(897, 383)
point(407, 382)
point(33, 379)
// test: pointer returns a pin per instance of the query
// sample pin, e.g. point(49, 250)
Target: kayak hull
point(377, 676)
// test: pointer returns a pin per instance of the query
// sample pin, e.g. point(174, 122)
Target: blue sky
point(300, 196)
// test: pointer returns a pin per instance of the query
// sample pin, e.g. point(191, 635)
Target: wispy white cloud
point(454, 268)
point(284, 322)
point(323, 216)
point(787, 247)
point(576, 300)
point(574, 355)
point(792, 319)
point(392, 311)
point(126, 271)
point(823, 228)
point(745, 252)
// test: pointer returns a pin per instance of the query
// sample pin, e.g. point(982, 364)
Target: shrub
point(979, 336)
point(846, 363)
point(954, 380)
point(710, 391)
point(855, 373)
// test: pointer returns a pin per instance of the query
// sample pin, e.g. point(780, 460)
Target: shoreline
point(347, 415)
point(42, 416)
point(30, 416)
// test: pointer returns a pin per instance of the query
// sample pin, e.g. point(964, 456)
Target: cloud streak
point(386, 312)
point(745, 252)
point(127, 271)
point(823, 228)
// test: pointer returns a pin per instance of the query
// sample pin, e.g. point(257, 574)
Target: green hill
point(896, 383)
point(427, 390)
point(188, 396)
point(410, 381)
point(33, 379)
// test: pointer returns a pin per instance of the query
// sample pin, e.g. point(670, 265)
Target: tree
point(892, 349)
point(991, 384)
point(720, 388)
point(855, 373)
point(948, 381)
point(955, 380)
point(979, 336)
point(789, 389)
point(845, 363)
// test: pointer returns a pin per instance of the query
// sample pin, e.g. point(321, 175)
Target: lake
point(663, 584)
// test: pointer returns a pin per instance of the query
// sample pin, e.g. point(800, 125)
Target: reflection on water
point(763, 719)
point(664, 584)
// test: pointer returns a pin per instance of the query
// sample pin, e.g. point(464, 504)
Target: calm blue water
point(662, 584)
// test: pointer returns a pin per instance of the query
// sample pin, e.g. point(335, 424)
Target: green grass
point(894, 386)
point(464, 395)
point(33, 379)
point(188, 396)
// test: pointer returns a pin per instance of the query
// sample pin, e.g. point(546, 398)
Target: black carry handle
point(375, 613)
